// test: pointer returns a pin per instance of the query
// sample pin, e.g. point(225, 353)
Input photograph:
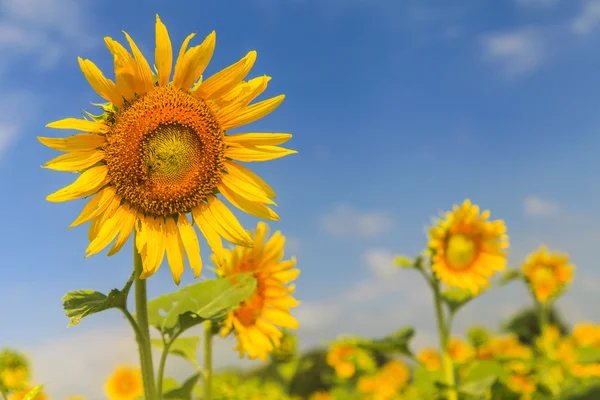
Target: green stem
point(208, 334)
point(143, 333)
point(162, 363)
point(543, 315)
point(4, 395)
point(444, 332)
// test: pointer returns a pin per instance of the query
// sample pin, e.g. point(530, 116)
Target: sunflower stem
point(543, 316)
point(143, 332)
point(444, 333)
point(162, 363)
point(208, 334)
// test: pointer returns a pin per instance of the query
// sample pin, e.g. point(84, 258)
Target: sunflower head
point(125, 384)
point(256, 319)
point(160, 153)
point(547, 273)
point(460, 351)
point(345, 358)
point(430, 358)
point(586, 334)
point(466, 248)
point(14, 370)
point(386, 382)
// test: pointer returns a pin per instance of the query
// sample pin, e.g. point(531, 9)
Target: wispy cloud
point(588, 19)
point(538, 207)
point(538, 3)
point(516, 52)
point(347, 221)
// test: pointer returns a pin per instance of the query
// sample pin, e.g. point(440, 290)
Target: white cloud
point(517, 52)
point(292, 245)
point(381, 263)
point(537, 207)
point(538, 3)
point(588, 19)
point(8, 132)
point(346, 221)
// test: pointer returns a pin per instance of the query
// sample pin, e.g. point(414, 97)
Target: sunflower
point(466, 248)
point(125, 384)
point(23, 393)
point(160, 152)
point(386, 383)
point(430, 359)
point(460, 351)
point(586, 334)
point(547, 273)
point(255, 320)
point(14, 370)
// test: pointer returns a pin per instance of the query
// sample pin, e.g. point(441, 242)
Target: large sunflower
point(160, 151)
point(467, 249)
point(255, 320)
point(547, 273)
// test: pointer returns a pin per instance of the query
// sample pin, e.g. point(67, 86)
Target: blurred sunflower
point(14, 370)
point(504, 347)
point(160, 151)
point(522, 384)
point(547, 273)
point(320, 396)
point(345, 358)
point(386, 383)
point(255, 320)
point(460, 351)
point(125, 384)
point(467, 249)
point(586, 334)
point(430, 359)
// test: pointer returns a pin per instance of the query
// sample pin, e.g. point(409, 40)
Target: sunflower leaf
point(184, 392)
point(509, 275)
point(33, 392)
point(396, 343)
point(208, 300)
point(185, 347)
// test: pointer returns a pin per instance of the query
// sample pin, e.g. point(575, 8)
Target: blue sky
point(398, 110)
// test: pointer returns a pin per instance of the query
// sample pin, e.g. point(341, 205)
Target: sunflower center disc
point(165, 152)
point(460, 251)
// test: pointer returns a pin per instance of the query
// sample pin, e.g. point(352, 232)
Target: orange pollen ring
point(165, 152)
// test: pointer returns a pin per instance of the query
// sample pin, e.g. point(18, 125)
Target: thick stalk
point(543, 315)
point(208, 334)
point(143, 334)
point(444, 332)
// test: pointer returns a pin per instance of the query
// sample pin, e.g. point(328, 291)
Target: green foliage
point(208, 300)
point(311, 374)
point(481, 376)
point(33, 392)
point(184, 392)
point(455, 298)
point(81, 303)
point(525, 324)
point(510, 275)
point(185, 347)
point(396, 343)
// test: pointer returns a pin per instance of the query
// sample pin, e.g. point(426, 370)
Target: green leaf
point(196, 303)
point(479, 370)
point(185, 347)
point(396, 343)
point(169, 384)
point(184, 392)
point(456, 298)
point(478, 388)
point(425, 382)
point(403, 261)
point(81, 303)
point(588, 354)
point(510, 275)
point(33, 392)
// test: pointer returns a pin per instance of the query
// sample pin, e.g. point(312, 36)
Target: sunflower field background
point(332, 199)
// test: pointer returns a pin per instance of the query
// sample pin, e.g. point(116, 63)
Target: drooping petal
point(195, 62)
point(226, 79)
point(246, 189)
point(279, 317)
point(96, 205)
point(79, 125)
point(174, 248)
point(144, 73)
point(257, 139)
point(88, 183)
point(102, 217)
point(108, 231)
point(163, 53)
point(211, 235)
point(245, 174)
point(253, 112)
point(191, 244)
point(257, 153)
point(130, 216)
point(106, 88)
point(81, 142)
point(75, 161)
point(253, 208)
point(155, 246)
point(226, 224)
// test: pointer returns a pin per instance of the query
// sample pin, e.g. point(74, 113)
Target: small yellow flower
point(386, 383)
point(460, 351)
point(587, 334)
point(14, 370)
point(547, 273)
point(467, 249)
point(586, 370)
point(430, 359)
point(346, 358)
point(255, 320)
point(21, 395)
point(505, 347)
point(125, 384)
point(522, 384)
point(320, 396)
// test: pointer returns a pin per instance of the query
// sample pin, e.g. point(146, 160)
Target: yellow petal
point(155, 246)
point(174, 248)
point(163, 54)
point(226, 79)
point(75, 161)
point(245, 174)
point(125, 68)
point(106, 88)
point(99, 220)
point(195, 62)
point(180, 64)
point(191, 244)
point(281, 318)
point(273, 251)
point(88, 183)
point(211, 235)
point(254, 88)
point(253, 208)
point(130, 216)
point(286, 276)
point(81, 142)
point(284, 303)
point(257, 153)
point(245, 188)
point(96, 205)
point(226, 224)
point(257, 139)
point(144, 73)
point(253, 112)
point(108, 231)
point(79, 125)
